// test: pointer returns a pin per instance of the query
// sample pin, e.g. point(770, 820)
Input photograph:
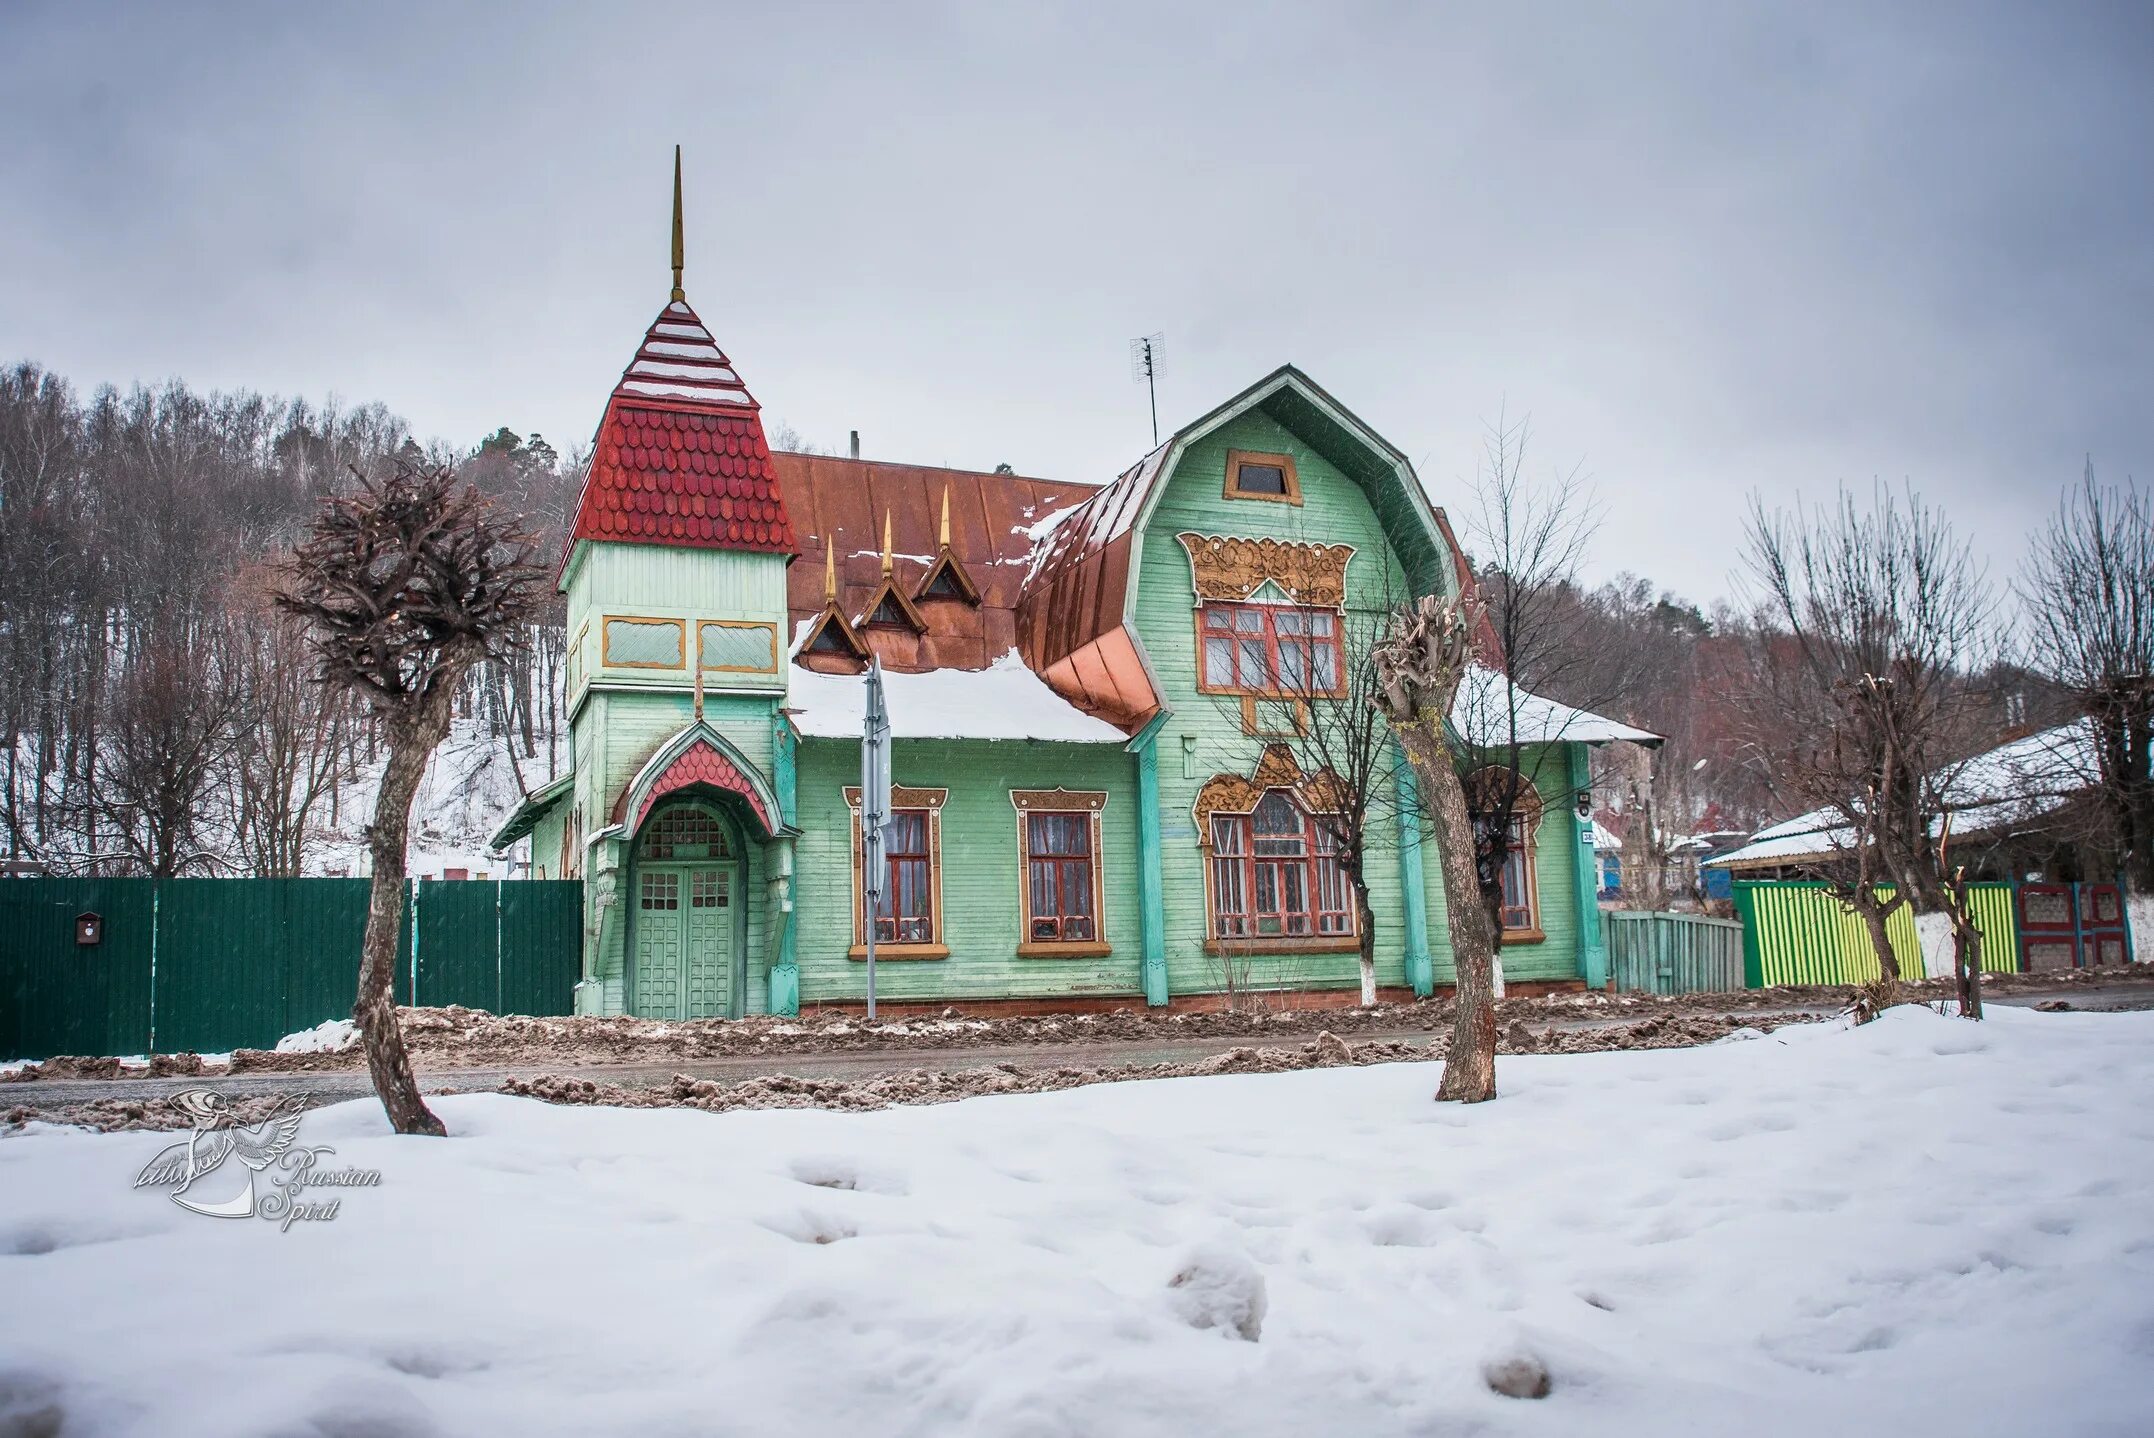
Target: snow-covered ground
point(1919, 1227)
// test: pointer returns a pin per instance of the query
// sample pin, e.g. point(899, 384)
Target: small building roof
point(1488, 704)
point(2008, 787)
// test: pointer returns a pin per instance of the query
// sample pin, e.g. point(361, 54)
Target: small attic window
point(888, 613)
point(828, 640)
point(942, 586)
point(1253, 475)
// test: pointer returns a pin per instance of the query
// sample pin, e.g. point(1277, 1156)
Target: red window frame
point(1059, 878)
point(1282, 880)
point(1251, 639)
point(905, 910)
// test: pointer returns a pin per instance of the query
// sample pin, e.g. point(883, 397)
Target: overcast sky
point(1708, 252)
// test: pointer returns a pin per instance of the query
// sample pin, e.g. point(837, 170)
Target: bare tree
point(1338, 736)
point(170, 725)
point(1418, 667)
point(287, 755)
point(406, 584)
point(1881, 624)
point(1530, 539)
point(2087, 592)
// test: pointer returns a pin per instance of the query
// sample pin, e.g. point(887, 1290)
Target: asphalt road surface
point(330, 1087)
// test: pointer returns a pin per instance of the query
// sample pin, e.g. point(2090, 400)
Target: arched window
point(685, 832)
point(1276, 874)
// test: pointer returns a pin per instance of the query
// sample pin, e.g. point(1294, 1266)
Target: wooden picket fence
point(1661, 953)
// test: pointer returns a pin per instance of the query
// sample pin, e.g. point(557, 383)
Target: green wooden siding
point(981, 872)
point(210, 965)
point(1665, 953)
point(1798, 933)
point(1203, 735)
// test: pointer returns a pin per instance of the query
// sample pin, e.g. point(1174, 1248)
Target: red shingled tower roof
point(680, 456)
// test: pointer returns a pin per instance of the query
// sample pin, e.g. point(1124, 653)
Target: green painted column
point(1592, 940)
point(784, 982)
point(1413, 887)
point(1151, 885)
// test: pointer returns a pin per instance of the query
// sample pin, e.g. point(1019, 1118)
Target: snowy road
point(336, 1085)
point(1807, 1233)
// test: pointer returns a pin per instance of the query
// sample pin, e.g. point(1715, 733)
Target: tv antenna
point(1144, 369)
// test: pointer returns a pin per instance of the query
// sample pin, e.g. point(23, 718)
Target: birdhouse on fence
point(89, 929)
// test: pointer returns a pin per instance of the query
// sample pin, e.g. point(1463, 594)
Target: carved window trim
point(1231, 567)
point(1091, 803)
point(903, 797)
point(1233, 795)
point(1284, 463)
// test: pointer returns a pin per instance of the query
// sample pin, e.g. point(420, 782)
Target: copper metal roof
point(992, 521)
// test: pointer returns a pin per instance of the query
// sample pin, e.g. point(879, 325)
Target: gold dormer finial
point(887, 565)
point(830, 569)
point(677, 251)
point(945, 537)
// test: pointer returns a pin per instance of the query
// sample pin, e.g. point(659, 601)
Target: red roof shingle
point(680, 457)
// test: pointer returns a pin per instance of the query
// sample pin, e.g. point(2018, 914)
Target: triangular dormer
point(680, 457)
point(946, 577)
point(831, 635)
point(890, 609)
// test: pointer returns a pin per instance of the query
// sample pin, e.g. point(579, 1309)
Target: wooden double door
point(687, 941)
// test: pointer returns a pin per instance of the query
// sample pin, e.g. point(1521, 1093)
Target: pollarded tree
point(405, 584)
point(1417, 669)
point(1877, 626)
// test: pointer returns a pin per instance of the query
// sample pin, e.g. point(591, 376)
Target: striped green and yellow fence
point(1798, 933)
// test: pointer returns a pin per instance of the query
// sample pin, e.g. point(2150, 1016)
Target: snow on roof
point(2010, 785)
point(1487, 702)
point(1003, 701)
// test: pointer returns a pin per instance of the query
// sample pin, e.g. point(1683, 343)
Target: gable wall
point(1203, 735)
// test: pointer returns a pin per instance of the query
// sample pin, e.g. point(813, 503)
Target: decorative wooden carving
point(1058, 800)
point(1232, 568)
point(1319, 793)
point(902, 797)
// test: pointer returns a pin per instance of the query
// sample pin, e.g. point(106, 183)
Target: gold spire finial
point(887, 565)
point(945, 514)
point(830, 569)
point(677, 253)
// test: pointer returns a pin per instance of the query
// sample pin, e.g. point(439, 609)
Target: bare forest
point(161, 716)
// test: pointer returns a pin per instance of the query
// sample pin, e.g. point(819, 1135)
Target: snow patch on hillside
point(470, 788)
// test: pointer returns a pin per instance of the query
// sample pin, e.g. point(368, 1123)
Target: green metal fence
point(211, 965)
point(1661, 953)
point(1798, 933)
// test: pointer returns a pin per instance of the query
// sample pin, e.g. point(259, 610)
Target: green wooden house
point(1087, 685)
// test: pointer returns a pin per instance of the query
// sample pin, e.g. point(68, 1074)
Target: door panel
point(710, 941)
point(659, 923)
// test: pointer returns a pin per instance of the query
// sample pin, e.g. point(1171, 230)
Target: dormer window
point(1255, 475)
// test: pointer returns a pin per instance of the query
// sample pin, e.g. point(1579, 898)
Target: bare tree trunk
point(1967, 963)
point(375, 1010)
point(1469, 1071)
point(1366, 918)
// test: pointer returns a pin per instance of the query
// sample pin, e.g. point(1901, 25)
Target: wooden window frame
point(1284, 463)
point(1527, 811)
point(605, 639)
point(1314, 834)
point(770, 632)
point(1090, 803)
point(1270, 612)
point(937, 947)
